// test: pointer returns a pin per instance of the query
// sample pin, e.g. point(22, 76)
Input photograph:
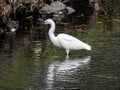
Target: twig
point(116, 20)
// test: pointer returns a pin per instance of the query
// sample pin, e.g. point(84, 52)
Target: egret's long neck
point(51, 31)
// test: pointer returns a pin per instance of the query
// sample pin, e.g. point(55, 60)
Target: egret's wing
point(67, 38)
point(69, 42)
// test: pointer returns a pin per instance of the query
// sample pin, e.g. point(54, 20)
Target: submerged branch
point(117, 20)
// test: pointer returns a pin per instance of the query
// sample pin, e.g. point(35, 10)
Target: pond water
point(29, 63)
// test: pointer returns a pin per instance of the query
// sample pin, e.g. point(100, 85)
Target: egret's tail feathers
point(87, 47)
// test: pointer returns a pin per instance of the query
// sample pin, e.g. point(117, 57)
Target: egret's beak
point(45, 22)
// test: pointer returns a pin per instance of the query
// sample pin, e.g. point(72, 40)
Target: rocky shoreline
point(20, 14)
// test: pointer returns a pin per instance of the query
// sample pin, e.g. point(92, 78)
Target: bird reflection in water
point(62, 70)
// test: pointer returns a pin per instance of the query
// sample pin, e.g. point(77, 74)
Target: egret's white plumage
point(64, 40)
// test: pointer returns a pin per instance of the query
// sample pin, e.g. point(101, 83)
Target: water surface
point(34, 64)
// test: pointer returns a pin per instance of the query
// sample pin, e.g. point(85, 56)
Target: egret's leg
point(67, 57)
point(67, 51)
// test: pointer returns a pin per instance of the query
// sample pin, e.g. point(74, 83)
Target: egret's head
point(48, 21)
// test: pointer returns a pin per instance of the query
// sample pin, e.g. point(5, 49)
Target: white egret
point(64, 40)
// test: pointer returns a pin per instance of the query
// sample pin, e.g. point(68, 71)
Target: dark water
point(32, 64)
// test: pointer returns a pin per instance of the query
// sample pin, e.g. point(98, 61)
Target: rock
point(70, 10)
point(52, 8)
point(12, 25)
point(1, 31)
